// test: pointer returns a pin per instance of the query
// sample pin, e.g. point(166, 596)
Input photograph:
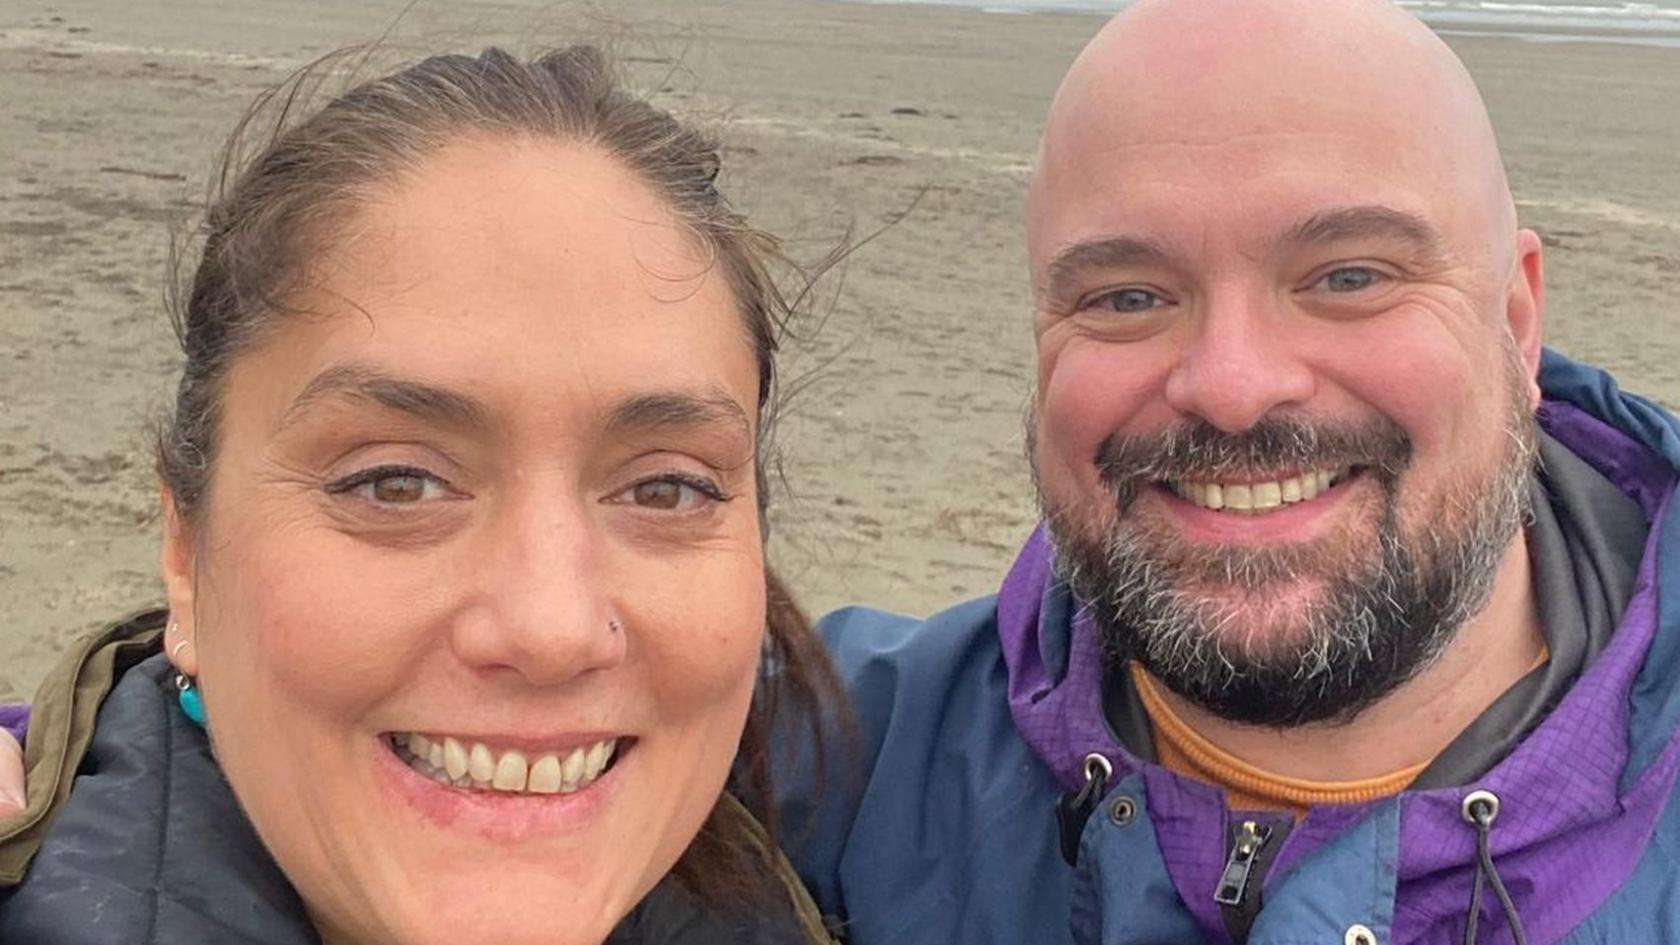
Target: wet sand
point(906, 487)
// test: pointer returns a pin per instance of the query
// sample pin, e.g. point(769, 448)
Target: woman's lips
point(504, 814)
point(478, 765)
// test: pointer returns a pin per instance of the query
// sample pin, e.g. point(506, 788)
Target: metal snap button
point(1122, 810)
point(1359, 935)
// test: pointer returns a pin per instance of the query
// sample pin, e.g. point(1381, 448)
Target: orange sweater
point(1181, 749)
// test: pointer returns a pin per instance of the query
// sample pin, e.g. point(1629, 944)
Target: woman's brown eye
point(658, 494)
point(391, 485)
point(399, 489)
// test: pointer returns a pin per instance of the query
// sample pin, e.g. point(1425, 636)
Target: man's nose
point(547, 608)
point(1239, 364)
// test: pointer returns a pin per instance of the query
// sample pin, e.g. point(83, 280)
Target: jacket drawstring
point(1072, 810)
point(1480, 809)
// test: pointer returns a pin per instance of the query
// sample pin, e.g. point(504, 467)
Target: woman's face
point(484, 512)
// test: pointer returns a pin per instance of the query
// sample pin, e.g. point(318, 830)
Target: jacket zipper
point(1238, 892)
point(1239, 866)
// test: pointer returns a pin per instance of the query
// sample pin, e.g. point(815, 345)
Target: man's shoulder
point(952, 809)
point(869, 626)
point(908, 678)
point(912, 650)
point(1595, 392)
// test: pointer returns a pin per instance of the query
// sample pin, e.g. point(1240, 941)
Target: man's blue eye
point(1351, 279)
point(1128, 300)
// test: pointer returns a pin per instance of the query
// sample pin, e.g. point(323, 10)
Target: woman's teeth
point(1257, 498)
point(477, 766)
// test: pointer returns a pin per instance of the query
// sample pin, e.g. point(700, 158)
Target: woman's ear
point(179, 584)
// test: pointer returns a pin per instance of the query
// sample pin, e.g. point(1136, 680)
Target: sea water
point(1653, 23)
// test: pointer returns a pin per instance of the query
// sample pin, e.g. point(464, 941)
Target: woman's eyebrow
point(644, 411)
point(416, 398)
point(678, 408)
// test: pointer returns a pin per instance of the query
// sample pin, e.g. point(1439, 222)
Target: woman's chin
point(510, 916)
point(473, 865)
point(440, 892)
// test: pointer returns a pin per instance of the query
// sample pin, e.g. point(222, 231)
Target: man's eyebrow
point(415, 398)
point(1363, 222)
point(1062, 276)
point(660, 409)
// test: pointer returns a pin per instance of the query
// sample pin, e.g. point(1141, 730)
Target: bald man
point(1354, 616)
point(1350, 617)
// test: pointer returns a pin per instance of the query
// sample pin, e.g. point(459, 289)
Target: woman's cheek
point(705, 645)
point(320, 623)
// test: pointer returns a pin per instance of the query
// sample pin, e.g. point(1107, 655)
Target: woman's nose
point(546, 604)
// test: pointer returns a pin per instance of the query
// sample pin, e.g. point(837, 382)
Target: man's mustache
point(1200, 452)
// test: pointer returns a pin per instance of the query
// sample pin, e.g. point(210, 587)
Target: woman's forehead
point(528, 208)
point(525, 276)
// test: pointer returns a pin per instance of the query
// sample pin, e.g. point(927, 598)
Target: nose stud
point(613, 626)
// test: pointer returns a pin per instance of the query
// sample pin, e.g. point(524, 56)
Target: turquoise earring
point(192, 704)
point(186, 691)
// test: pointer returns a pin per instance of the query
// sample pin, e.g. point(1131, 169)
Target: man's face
point(1284, 406)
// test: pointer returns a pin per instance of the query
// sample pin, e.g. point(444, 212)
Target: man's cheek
point(1078, 415)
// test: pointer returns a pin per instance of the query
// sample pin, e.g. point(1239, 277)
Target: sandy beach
point(905, 486)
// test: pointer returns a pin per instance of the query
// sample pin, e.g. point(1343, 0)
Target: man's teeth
point(1257, 498)
point(478, 766)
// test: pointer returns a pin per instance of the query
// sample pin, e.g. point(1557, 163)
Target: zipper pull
point(1239, 866)
point(1072, 810)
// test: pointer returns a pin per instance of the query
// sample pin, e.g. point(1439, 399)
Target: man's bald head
point(1207, 72)
point(1287, 336)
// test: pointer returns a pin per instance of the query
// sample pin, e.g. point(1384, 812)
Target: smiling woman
point(463, 549)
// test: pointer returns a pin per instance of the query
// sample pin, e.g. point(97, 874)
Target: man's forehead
point(1180, 42)
point(1230, 104)
point(1133, 86)
point(1248, 192)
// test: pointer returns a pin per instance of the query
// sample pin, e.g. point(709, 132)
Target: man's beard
point(1383, 610)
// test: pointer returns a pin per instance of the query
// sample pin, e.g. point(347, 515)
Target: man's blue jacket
point(976, 721)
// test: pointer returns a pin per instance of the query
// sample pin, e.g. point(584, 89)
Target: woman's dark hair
point(286, 187)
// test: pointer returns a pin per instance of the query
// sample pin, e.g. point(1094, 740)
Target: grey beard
point(1385, 612)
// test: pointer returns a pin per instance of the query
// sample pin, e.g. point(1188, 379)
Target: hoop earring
point(192, 703)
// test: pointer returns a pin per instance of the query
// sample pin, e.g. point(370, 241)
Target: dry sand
point(903, 449)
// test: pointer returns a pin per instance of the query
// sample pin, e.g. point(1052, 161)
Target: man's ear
point(179, 584)
point(1525, 303)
